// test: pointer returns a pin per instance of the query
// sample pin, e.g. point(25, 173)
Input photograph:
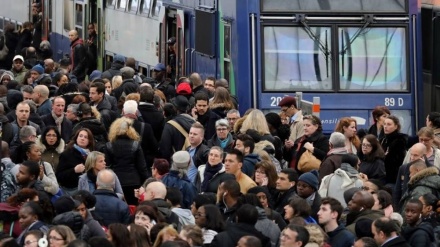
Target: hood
point(351, 171)
point(261, 213)
point(253, 158)
point(208, 235)
point(9, 73)
point(185, 215)
point(408, 231)
point(185, 121)
point(430, 173)
point(59, 149)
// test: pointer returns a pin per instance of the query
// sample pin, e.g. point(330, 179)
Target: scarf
point(84, 152)
point(91, 176)
point(210, 171)
point(225, 142)
point(58, 120)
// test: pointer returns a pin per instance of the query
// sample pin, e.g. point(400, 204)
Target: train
point(353, 55)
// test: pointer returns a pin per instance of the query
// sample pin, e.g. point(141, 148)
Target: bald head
point(417, 151)
point(361, 200)
point(417, 166)
point(73, 35)
point(105, 180)
point(41, 92)
point(157, 189)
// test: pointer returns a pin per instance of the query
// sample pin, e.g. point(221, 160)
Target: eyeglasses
point(222, 129)
point(29, 242)
point(366, 145)
point(55, 238)
point(260, 171)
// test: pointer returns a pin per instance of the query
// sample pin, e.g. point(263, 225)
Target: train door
point(172, 45)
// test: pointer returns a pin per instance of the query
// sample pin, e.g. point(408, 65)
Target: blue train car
point(354, 55)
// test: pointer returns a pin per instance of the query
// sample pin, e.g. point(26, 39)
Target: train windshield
point(373, 59)
point(296, 58)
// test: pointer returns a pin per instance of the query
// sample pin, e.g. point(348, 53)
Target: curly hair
point(122, 127)
point(346, 122)
point(21, 197)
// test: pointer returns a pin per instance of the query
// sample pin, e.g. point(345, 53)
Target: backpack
point(182, 131)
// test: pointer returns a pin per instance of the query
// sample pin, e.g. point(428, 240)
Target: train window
point(156, 7)
point(79, 15)
point(145, 7)
point(111, 2)
point(133, 5)
point(122, 4)
point(1, 23)
point(296, 59)
point(375, 59)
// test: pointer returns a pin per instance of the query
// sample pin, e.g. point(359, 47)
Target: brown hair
point(91, 145)
point(346, 122)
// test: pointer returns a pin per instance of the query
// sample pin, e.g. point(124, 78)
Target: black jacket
point(149, 145)
point(65, 173)
point(282, 199)
point(234, 232)
point(128, 86)
point(164, 209)
point(7, 132)
point(374, 170)
point(201, 155)
point(172, 140)
point(150, 114)
point(115, 69)
point(66, 126)
point(320, 143)
point(107, 115)
point(394, 146)
point(94, 125)
point(396, 242)
point(126, 159)
point(420, 236)
point(78, 55)
point(208, 121)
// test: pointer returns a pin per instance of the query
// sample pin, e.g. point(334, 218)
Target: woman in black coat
point(125, 157)
point(72, 160)
point(394, 146)
point(372, 163)
point(313, 140)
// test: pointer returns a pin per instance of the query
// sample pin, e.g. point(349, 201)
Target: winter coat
point(320, 144)
point(208, 236)
point(127, 87)
point(423, 182)
point(249, 162)
point(394, 145)
point(267, 227)
point(150, 114)
point(49, 180)
point(50, 155)
point(86, 183)
point(189, 191)
point(66, 126)
point(150, 146)
point(421, 235)
point(214, 141)
point(374, 170)
point(24, 40)
point(110, 208)
point(373, 130)
point(115, 69)
point(37, 225)
point(297, 127)
point(282, 199)
point(127, 160)
point(7, 129)
point(354, 217)
point(234, 232)
point(45, 108)
point(78, 57)
point(185, 216)
point(172, 140)
point(164, 209)
point(95, 228)
point(331, 162)
point(342, 179)
point(8, 184)
point(245, 183)
point(65, 172)
point(215, 181)
point(209, 123)
point(396, 242)
point(341, 237)
point(200, 156)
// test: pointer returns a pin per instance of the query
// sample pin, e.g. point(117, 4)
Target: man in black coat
point(204, 115)
point(385, 233)
point(247, 217)
point(150, 114)
point(78, 56)
point(98, 99)
point(285, 186)
point(57, 118)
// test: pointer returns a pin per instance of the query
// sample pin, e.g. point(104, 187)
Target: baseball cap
point(18, 57)
point(159, 67)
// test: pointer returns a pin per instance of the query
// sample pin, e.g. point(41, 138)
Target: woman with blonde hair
point(317, 236)
point(348, 126)
point(60, 235)
point(222, 102)
point(116, 81)
point(168, 233)
point(95, 162)
point(125, 157)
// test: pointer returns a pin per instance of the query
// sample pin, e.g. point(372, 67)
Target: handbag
point(308, 162)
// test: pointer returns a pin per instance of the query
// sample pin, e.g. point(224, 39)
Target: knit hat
point(184, 88)
point(310, 178)
point(96, 74)
point(181, 159)
point(119, 58)
point(65, 204)
point(38, 68)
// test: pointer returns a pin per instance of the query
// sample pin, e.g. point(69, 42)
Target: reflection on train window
point(122, 4)
point(145, 8)
point(134, 5)
point(293, 60)
point(79, 15)
point(156, 7)
point(373, 60)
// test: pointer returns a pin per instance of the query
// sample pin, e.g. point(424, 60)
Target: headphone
point(79, 111)
point(43, 242)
